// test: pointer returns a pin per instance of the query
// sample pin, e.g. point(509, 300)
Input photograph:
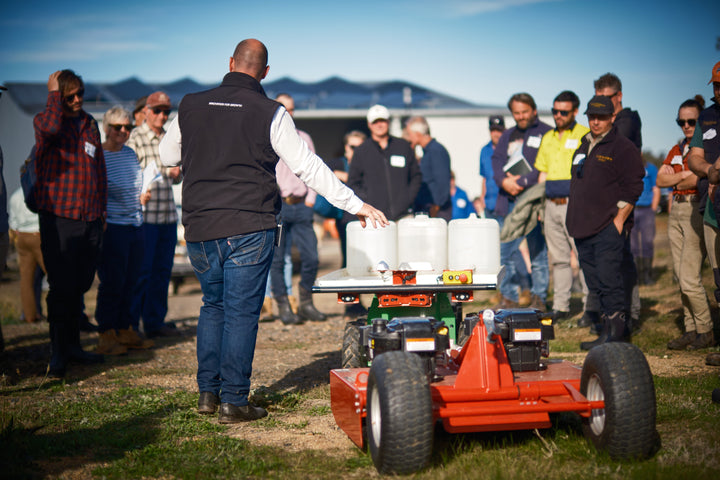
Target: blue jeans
point(521, 275)
point(297, 229)
point(119, 268)
point(232, 273)
point(540, 272)
point(150, 299)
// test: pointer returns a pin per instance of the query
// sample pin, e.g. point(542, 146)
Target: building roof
point(333, 93)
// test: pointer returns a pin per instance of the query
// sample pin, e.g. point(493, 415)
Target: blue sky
point(481, 51)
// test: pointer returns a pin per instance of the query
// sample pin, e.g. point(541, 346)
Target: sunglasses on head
point(158, 110)
point(564, 113)
point(119, 126)
point(690, 121)
point(69, 98)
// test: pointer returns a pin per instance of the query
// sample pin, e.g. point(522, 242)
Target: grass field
point(134, 419)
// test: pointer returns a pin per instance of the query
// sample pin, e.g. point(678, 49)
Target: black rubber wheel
point(399, 414)
point(618, 373)
point(352, 351)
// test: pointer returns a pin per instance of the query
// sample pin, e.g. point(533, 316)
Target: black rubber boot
point(75, 350)
point(307, 310)
point(647, 272)
point(602, 338)
point(618, 328)
point(58, 351)
point(285, 312)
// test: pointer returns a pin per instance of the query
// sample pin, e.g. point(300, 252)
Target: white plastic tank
point(368, 246)
point(474, 243)
point(421, 241)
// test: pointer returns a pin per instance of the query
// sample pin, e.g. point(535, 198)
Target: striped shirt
point(124, 185)
point(161, 208)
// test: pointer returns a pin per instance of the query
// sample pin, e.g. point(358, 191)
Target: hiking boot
point(702, 340)
point(505, 303)
point(266, 310)
point(537, 303)
point(208, 403)
point(713, 359)
point(496, 298)
point(293, 303)
point(131, 339)
point(525, 298)
point(682, 342)
point(230, 413)
point(109, 344)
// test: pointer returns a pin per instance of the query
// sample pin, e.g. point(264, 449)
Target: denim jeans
point(540, 272)
point(233, 273)
point(150, 299)
point(522, 277)
point(119, 268)
point(298, 223)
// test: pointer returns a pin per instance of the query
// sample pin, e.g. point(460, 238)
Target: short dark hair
point(525, 98)
point(67, 80)
point(608, 80)
point(696, 102)
point(568, 96)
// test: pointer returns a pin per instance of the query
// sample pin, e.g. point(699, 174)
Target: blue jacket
point(531, 142)
point(435, 168)
point(486, 170)
point(462, 207)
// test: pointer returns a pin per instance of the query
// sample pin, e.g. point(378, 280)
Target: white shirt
point(292, 150)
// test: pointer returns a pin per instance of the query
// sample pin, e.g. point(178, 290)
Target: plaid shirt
point(70, 166)
point(161, 207)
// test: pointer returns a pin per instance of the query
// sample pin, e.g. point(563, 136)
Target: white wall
point(16, 139)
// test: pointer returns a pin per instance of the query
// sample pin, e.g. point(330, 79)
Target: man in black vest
point(228, 141)
point(704, 161)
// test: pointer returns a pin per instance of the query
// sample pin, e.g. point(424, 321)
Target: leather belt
point(559, 200)
point(294, 200)
point(688, 197)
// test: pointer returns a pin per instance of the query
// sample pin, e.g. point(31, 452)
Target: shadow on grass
point(309, 376)
point(34, 453)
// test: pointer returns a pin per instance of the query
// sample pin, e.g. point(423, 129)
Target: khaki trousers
point(27, 246)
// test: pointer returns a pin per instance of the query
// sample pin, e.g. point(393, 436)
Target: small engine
point(424, 336)
point(524, 332)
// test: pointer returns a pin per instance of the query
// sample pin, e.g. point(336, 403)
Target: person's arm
point(668, 177)
point(47, 123)
point(314, 172)
point(655, 199)
point(171, 145)
point(622, 215)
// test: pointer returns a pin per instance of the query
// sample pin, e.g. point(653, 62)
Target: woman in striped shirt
point(123, 241)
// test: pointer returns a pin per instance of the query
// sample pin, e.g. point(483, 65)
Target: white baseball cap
point(378, 112)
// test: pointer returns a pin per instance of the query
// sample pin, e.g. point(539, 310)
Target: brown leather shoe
point(713, 359)
point(505, 303)
point(702, 340)
point(230, 413)
point(208, 403)
point(682, 342)
point(525, 298)
point(537, 303)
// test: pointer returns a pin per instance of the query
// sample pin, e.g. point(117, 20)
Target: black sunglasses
point(120, 126)
point(564, 113)
point(681, 122)
point(69, 98)
point(158, 111)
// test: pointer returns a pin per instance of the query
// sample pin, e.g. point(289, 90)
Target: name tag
point(397, 161)
point(90, 149)
point(710, 134)
point(578, 158)
point(534, 142)
point(571, 143)
point(676, 160)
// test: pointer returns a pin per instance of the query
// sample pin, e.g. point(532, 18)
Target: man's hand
point(667, 170)
point(510, 185)
point(173, 172)
point(368, 212)
point(53, 84)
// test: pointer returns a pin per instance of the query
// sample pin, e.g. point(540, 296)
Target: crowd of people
point(565, 195)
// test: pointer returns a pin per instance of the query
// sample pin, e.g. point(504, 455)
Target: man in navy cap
point(607, 179)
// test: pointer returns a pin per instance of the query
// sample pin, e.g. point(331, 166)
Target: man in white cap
point(384, 171)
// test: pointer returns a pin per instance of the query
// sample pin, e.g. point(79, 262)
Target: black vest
point(228, 162)
point(708, 120)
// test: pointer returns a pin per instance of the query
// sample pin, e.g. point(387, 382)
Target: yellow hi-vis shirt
point(555, 154)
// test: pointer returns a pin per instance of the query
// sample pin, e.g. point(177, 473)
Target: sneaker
point(525, 298)
point(131, 339)
point(682, 342)
point(702, 340)
point(109, 344)
point(713, 359)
